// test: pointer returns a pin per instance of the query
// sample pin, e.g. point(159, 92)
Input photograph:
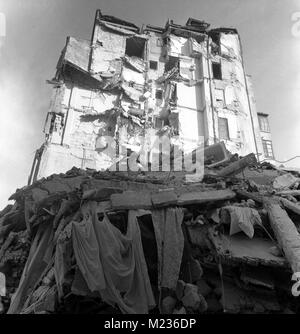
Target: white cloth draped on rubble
point(112, 263)
point(241, 219)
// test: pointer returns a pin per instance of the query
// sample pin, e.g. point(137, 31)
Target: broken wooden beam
point(164, 198)
point(286, 233)
point(295, 208)
point(254, 196)
point(101, 194)
point(205, 196)
point(238, 166)
point(294, 193)
point(131, 200)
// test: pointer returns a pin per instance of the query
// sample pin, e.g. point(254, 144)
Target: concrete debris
point(90, 235)
point(185, 232)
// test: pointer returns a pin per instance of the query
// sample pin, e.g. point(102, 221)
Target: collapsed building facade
point(111, 242)
point(132, 84)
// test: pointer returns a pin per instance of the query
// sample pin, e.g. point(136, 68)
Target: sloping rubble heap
point(116, 242)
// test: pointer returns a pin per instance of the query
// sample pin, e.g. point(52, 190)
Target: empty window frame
point(159, 94)
point(223, 128)
point(153, 65)
point(264, 123)
point(135, 47)
point(217, 71)
point(172, 62)
point(268, 148)
point(215, 36)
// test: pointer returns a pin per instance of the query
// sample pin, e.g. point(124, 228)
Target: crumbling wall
point(226, 245)
point(132, 84)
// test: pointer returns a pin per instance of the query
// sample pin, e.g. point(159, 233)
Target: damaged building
point(83, 238)
point(132, 84)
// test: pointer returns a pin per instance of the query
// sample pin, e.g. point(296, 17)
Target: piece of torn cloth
point(170, 242)
point(112, 263)
point(241, 219)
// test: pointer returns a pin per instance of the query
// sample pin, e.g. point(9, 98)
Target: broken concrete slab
point(239, 249)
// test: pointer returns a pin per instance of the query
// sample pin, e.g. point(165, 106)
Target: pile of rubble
point(117, 242)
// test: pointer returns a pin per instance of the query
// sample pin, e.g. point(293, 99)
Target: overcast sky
point(36, 31)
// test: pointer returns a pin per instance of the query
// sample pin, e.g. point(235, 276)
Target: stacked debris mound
point(114, 242)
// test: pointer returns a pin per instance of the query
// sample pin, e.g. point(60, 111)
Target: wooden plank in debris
point(286, 234)
point(254, 196)
point(205, 196)
point(131, 200)
point(294, 193)
point(291, 206)
point(101, 194)
point(164, 198)
point(238, 166)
